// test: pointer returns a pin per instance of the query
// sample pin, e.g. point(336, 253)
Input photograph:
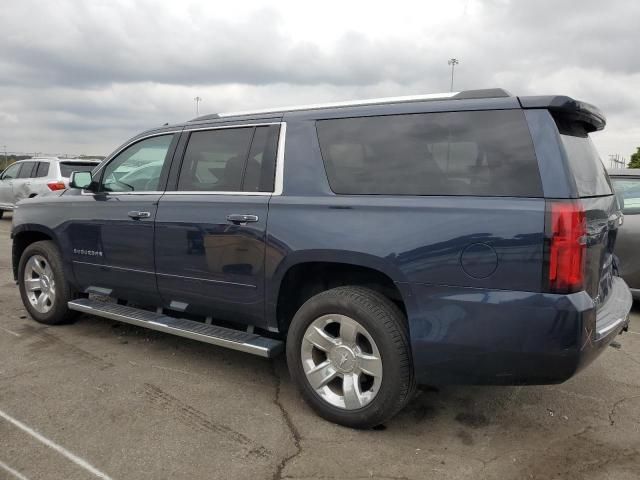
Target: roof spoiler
point(568, 108)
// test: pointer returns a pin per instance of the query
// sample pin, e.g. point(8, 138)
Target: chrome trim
point(279, 181)
point(206, 280)
point(221, 127)
point(604, 331)
point(102, 265)
point(350, 103)
point(154, 192)
point(197, 192)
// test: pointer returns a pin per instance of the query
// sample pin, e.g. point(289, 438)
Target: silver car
point(38, 176)
point(626, 182)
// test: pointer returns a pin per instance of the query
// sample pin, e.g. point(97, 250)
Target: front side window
point(230, 160)
point(11, 172)
point(484, 153)
point(137, 168)
point(630, 190)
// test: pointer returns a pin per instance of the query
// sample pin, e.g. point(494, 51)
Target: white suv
point(38, 176)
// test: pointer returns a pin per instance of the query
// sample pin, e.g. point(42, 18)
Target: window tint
point(26, 170)
point(42, 170)
point(487, 153)
point(130, 172)
point(66, 168)
point(261, 165)
point(630, 190)
point(11, 172)
point(215, 160)
point(585, 163)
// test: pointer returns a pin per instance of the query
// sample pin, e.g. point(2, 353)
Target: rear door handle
point(136, 215)
point(238, 218)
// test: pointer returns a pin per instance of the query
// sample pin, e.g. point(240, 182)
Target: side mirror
point(80, 180)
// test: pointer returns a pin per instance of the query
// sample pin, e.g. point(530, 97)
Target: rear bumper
point(476, 336)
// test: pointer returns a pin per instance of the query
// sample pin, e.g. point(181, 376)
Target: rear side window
point(66, 168)
point(484, 153)
point(26, 171)
point(590, 175)
point(42, 170)
point(230, 160)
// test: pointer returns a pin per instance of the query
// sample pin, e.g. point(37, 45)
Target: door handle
point(238, 218)
point(136, 215)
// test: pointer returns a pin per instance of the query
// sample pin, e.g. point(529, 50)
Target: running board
point(221, 336)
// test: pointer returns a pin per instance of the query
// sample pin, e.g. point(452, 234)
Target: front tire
point(348, 351)
point(43, 286)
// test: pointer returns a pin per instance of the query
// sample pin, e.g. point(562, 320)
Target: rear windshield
point(67, 167)
point(483, 153)
point(585, 163)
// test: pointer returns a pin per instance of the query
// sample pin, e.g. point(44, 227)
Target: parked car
point(37, 176)
point(627, 183)
point(457, 238)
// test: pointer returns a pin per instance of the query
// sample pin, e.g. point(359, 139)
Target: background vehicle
point(458, 238)
point(627, 184)
point(38, 176)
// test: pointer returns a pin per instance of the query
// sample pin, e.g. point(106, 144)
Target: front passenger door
point(111, 236)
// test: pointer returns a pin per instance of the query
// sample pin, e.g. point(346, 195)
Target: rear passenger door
point(6, 184)
point(210, 229)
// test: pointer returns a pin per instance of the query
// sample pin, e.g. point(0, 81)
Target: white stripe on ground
point(13, 472)
point(9, 331)
point(54, 446)
point(635, 333)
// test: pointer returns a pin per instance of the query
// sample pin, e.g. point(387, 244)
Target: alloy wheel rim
point(39, 284)
point(341, 361)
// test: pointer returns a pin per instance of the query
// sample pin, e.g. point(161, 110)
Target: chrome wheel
point(341, 361)
point(39, 284)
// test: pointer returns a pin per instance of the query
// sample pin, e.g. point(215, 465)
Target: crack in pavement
point(616, 405)
point(293, 430)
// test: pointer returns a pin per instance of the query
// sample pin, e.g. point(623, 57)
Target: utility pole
point(197, 100)
point(453, 62)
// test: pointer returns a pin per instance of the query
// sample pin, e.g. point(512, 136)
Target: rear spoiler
point(568, 108)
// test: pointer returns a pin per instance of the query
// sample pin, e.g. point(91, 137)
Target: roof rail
point(464, 95)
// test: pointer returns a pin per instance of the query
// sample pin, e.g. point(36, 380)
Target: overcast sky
point(83, 76)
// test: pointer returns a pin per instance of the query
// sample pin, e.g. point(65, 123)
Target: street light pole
point(4, 166)
point(197, 100)
point(453, 62)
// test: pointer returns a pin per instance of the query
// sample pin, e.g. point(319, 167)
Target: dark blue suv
point(456, 238)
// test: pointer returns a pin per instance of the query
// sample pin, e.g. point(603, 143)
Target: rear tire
point(348, 352)
point(43, 286)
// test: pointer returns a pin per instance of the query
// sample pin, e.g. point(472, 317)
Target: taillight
point(53, 186)
point(566, 246)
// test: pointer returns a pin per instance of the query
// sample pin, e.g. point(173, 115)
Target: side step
point(221, 336)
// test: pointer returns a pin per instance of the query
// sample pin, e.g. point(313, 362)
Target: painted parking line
point(54, 446)
point(9, 331)
point(13, 472)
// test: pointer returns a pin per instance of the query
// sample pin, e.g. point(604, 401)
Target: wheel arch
point(23, 236)
point(312, 271)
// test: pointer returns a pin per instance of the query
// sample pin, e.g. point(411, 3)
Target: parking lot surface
point(98, 399)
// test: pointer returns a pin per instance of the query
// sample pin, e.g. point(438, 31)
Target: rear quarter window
point(482, 153)
point(584, 161)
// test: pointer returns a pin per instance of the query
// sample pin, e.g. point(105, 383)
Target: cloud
point(89, 74)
